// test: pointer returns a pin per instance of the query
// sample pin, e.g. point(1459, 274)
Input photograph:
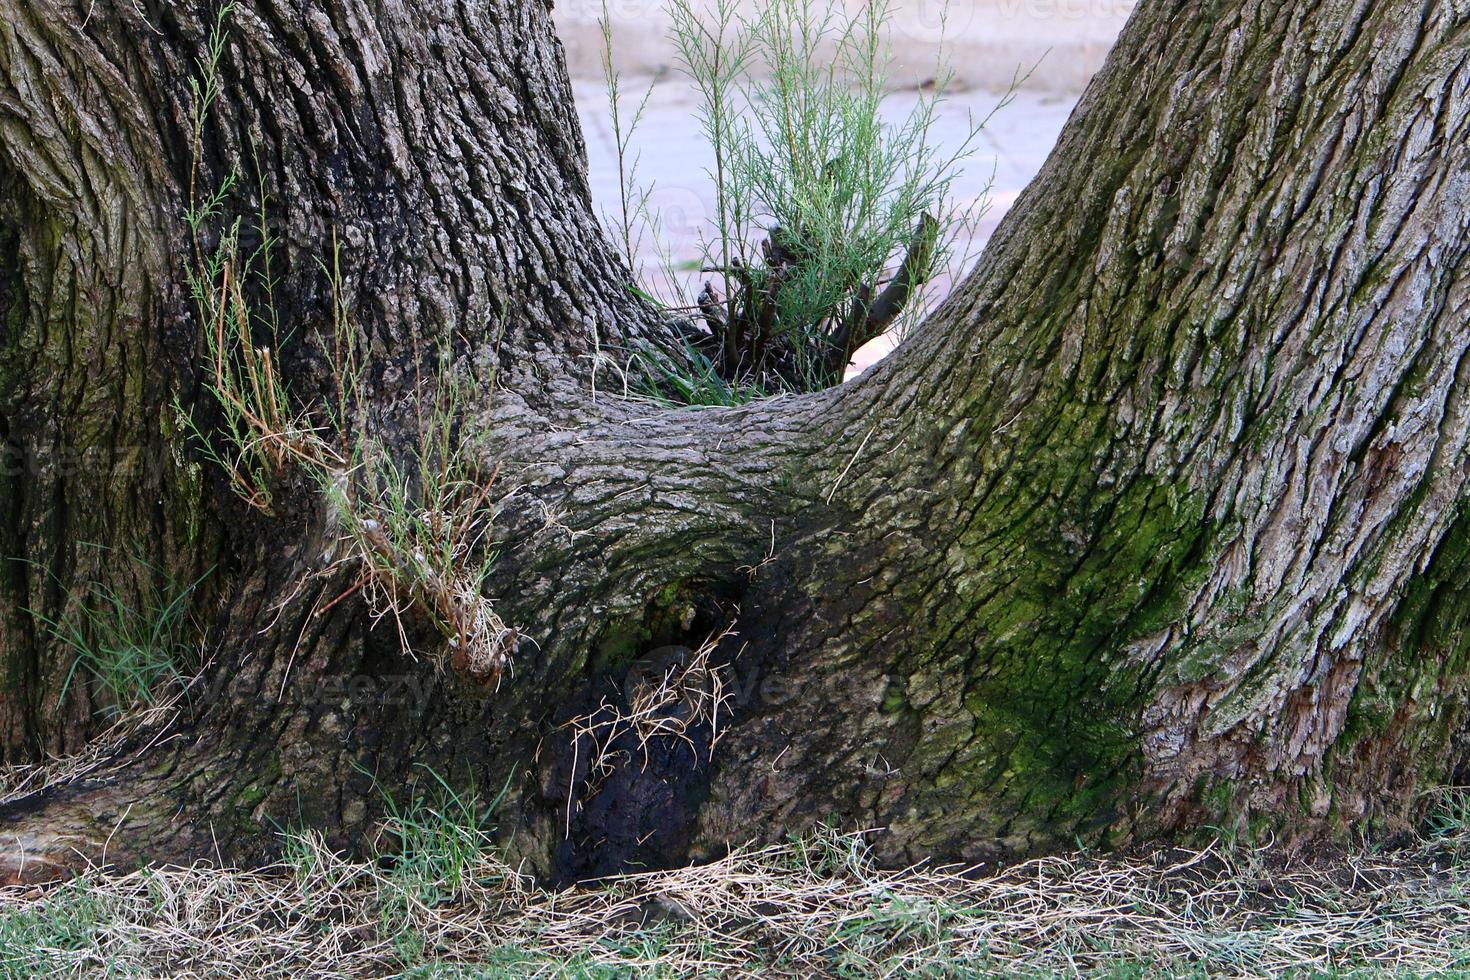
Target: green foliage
point(44, 938)
point(1447, 822)
point(830, 219)
point(135, 640)
point(439, 849)
point(693, 381)
point(439, 842)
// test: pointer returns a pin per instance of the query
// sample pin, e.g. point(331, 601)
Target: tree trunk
point(1157, 524)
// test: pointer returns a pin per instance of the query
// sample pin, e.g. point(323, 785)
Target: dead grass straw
point(816, 907)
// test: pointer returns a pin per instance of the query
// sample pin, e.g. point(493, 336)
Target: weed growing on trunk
point(405, 491)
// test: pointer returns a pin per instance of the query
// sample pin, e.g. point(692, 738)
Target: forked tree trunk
point(1157, 524)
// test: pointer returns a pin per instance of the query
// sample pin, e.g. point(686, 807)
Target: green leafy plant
point(830, 219)
point(694, 380)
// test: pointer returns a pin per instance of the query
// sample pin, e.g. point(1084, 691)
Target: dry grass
point(682, 698)
point(144, 723)
point(813, 908)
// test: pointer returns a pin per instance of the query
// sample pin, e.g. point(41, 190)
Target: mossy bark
point(1156, 524)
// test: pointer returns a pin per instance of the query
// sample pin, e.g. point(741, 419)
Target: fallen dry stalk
point(684, 698)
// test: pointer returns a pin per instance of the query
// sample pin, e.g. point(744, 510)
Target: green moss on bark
point(1050, 739)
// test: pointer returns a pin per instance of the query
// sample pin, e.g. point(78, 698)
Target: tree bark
point(1157, 524)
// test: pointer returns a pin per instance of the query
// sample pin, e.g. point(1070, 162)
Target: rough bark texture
point(1158, 523)
point(1181, 544)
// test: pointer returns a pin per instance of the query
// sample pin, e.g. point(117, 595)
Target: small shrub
point(830, 219)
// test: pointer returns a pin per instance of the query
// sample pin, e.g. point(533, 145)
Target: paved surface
point(986, 40)
point(674, 161)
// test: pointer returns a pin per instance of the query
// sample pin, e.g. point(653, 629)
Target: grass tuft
point(410, 498)
point(134, 642)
